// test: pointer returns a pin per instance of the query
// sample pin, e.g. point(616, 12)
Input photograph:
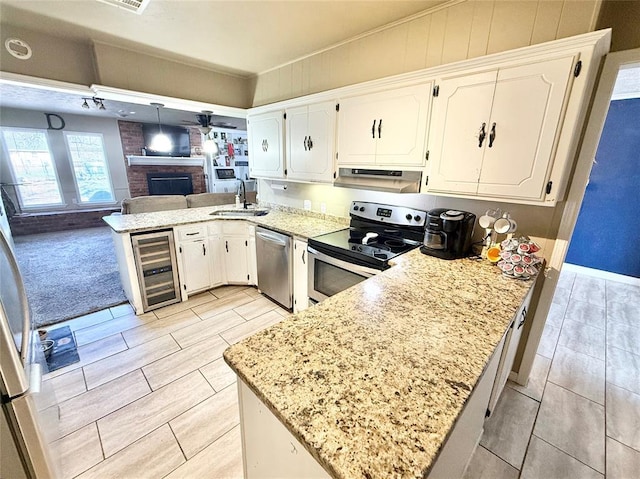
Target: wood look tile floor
point(579, 416)
point(151, 396)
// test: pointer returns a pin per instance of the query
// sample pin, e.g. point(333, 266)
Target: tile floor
point(579, 416)
point(153, 398)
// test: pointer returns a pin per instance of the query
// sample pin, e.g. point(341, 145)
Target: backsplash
point(537, 222)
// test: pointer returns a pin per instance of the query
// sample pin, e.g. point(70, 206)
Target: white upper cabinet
point(310, 140)
point(493, 134)
point(265, 135)
point(387, 128)
point(460, 113)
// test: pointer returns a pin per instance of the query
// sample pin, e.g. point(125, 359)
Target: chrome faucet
point(244, 192)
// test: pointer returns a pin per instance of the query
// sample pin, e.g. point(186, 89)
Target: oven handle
point(354, 268)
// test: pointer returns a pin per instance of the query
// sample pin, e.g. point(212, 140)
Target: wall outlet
point(323, 207)
point(307, 205)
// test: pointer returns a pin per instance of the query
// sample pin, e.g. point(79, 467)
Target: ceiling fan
point(205, 122)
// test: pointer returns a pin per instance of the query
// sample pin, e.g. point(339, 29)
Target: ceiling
point(242, 37)
point(239, 37)
point(49, 101)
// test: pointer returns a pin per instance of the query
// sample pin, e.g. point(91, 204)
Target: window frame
point(16, 188)
point(78, 199)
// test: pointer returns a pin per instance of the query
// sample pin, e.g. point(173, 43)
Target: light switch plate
point(307, 205)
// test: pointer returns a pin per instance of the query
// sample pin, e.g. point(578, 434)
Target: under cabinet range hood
point(393, 181)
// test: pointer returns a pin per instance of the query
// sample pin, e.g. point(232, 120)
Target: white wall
point(449, 33)
point(10, 117)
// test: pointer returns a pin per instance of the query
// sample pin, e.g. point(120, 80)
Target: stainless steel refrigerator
point(29, 414)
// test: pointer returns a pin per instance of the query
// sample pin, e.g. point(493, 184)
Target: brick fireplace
point(132, 144)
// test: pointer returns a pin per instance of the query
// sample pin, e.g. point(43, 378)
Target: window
point(90, 169)
point(33, 168)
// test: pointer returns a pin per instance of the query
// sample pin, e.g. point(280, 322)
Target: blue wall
point(607, 234)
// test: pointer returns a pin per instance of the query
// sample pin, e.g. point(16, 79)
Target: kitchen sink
point(239, 212)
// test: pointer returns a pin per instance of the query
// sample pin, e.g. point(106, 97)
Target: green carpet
point(69, 273)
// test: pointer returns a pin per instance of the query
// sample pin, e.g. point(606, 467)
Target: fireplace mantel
point(163, 161)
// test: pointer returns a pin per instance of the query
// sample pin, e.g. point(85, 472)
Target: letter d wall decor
point(50, 124)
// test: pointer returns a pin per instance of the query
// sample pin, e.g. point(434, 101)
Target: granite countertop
point(372, 379)
point(286, 220)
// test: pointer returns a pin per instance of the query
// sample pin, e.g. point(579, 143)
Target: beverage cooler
point(155, 257)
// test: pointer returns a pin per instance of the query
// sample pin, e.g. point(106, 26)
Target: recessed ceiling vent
point(135, 6)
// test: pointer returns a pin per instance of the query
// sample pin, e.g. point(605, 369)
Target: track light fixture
point(98, 102)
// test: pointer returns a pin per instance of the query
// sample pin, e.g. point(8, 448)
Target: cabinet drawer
point(187, 233)
point(234, 228)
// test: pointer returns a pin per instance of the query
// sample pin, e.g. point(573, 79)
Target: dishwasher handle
point(271, 239)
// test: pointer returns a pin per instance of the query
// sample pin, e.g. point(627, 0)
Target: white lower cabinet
point(300, 279)
point(194, 258)
point(214, 254)
point(269, 449)
point(253, 261)
point(236, 251)
point(216, 261)
point(196, 275)
point(509, 350)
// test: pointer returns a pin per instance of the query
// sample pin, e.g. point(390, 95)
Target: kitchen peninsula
point(375, 379)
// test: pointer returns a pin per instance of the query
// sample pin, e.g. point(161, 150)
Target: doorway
point(614, 63)
point(607, 225)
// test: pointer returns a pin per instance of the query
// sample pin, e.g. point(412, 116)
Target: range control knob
point(408, 217)
point(355, 208)
point(417, 218)
point(362, 208)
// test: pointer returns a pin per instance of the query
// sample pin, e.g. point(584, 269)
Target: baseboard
point(596, 273)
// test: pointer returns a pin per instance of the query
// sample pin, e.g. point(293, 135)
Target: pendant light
point(160, 142)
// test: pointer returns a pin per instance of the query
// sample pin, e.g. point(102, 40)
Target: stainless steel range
point(377, 233)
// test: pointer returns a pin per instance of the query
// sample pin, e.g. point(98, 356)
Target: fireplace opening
point(170, 183)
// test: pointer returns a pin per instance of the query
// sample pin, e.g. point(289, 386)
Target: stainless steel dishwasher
point(273, 253)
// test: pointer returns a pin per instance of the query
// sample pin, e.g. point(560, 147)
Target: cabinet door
point(402, 126)
point(527, 110)
point(252, 260)
point(216, 261)
point(195, 259)
point(265, 138)
point(300, 279)
point(236, 260)
point(310, 142)
point(386, 128)
point(509, 351)
point(462, 106)
point(356, 130)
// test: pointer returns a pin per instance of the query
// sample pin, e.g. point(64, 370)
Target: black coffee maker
point(448, 233)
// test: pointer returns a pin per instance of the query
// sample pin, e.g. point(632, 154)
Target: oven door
point(328, 276)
